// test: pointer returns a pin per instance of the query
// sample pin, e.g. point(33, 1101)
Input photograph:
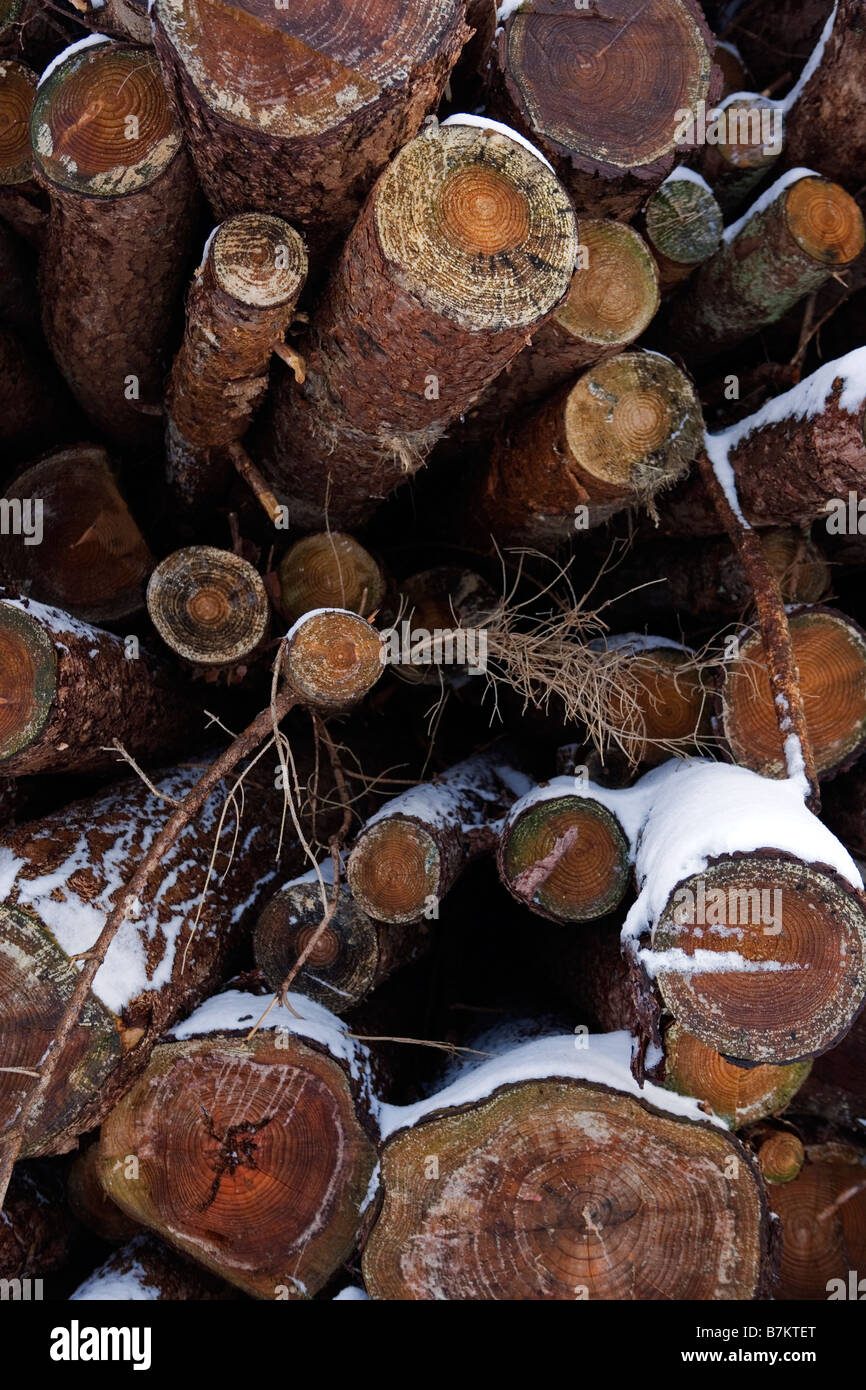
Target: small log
point(256, 1154)
point(326, 570)
point(333, 658)
point(683, 224)
point(92, 561)
point(626, 430)
point(411, 852)
point(825, 123)
point(780, 1155)
point(120, 230)
point(664, 701)
point(239, 307)
point(541, 1153)
point(738, 1095)
point(209, 606)
point(600, 89)
point(447, 600)
point(36, 1230)
point(352, 956)
point(613, 296)
point(735, 167)
point(295, 112)
point(563, 852)
point(823, 1218)
point(464, 247)
point(23, 204)
point(91, 1205)
point(60, 877)
point(783, 248)
point(69, 691)
point(830, 652)
point(145, 1269)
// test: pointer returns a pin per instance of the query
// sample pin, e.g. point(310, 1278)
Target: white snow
point(351, 1295)
point(439, 803)
point(61, 624)
point(506, 9)
point(76, 47)
point(109, 1283)
point(768, 197)
point(685, 175)
point(718, 447)
point(485, 123)
point(706, 963)
point(812, 63)
point(602, 1057)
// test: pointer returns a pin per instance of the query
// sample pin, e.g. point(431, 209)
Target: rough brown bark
point(464, 247)
point(598, 88)
point(92, 561)
point(121, 19)
point(826, 127)
point(295, 111)
point(35, 407)
point(255, 1154)
point(61, 876)
point(629, 428)
point(210, 607)
point(120, 232)
point(241, 303)
point(70, 690)
point(775, 256)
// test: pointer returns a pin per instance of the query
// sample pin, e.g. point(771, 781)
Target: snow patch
point(485, 123)
point(76, 47)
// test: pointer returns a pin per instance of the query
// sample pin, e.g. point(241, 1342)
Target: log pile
point(432, 650)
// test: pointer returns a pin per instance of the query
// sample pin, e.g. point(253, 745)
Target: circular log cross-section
point(683, 227)
point(560, 1189)
point(664, 705)
point(781, 1156)
point(332, 658)
point(599, 88)
point(823, 1219)
point(17, 90)
point(396, 870)
point(798, 977)
point(327, 570)
point(737, 165)
point(252, 1159)
point(566, 858)
point(738, 1095)
point(28, 680)
point(626, 430)
point(296, 108)
point(209, 605)
point(92, 561)
point(830, 654)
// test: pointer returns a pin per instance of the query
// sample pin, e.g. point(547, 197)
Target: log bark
point(464, 247)
point(823, 1219)
point(830, 652)
point(625, 431)
point(351, 958)
point(210, 607)
point(145, 1269)
point(90, 1204)
point(536, 1172)
point(411, 852)
point(599, 92)
point(612, 298)
point(120, 19)
point(60, 877)
point(326, 570)
point(826, 126)
point(69, 690)
point(683, 223)
point(92, 561)
point(239, 307)
point(563, 852)
point(295, 111)
point(785, 247)
point(255, 1154)
point(120, 232)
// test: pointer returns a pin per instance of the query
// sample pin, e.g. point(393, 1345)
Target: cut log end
point(333, 658)
point(102, 123)
point(329, 569)
point(825, 221)
point(395, 869)
point(738, 1095)
point(684, 223)
point(259, 260)
point(28, 680)
point(344, 963)
point(481, 230)
point(747, 153)
point(794, 972)
point(567, 858)
point(562, 1190)
point(830, 654)
point(613, 297)
point(781, 1156)
point(823, 1217)
point(210, 606)
point(665, 706)
point(252, 1159)
point(17, 91)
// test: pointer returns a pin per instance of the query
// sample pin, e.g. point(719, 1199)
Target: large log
point(547, 1174)
point(256, 1156)
point(296, 109)
point(123, 207)
point(464, 247)
point(823, 1220)
point(825, 123)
